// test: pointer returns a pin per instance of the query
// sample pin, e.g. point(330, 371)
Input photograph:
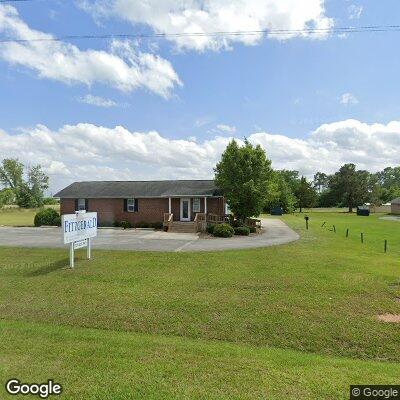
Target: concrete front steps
point(182, 227)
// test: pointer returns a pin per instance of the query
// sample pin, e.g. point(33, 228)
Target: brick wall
point(149, 210)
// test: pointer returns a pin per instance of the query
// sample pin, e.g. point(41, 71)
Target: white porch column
point(205, 205)
point(169, 205)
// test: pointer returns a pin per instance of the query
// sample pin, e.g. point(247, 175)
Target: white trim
point(182, 199)
point(205, 205)
point(169, 205)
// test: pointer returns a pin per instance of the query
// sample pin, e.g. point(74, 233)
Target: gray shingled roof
point(127, 189)
point(396, 201)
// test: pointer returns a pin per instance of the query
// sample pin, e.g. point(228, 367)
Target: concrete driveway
point(275, 232)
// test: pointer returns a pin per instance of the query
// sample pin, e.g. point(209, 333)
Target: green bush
point(125, 224)
point(48, 217)
point(252, 229)
point(116, 224)
point(156, 225)
point(143, 225)
point(223, 230)
point(210, 229)
point(242, 231)
point(236, 223)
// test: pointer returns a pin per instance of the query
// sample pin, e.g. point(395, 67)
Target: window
point(130, 205)
point(81, 204)
point(196, 205)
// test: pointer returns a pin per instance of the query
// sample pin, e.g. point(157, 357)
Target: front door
point(185, 209)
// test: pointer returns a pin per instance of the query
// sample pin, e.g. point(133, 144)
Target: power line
point(271, 32)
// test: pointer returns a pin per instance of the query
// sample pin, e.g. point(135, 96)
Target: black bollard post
point(362, 238)
point(385, 246)
point(347, 232)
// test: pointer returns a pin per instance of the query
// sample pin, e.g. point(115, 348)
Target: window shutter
point(125, 205)
point(76, 205)
point(87, 204)
point(136, 205)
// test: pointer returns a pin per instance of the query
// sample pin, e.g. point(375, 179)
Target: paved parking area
point(275, 232)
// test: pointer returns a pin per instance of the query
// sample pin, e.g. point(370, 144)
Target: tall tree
point(11, 171)
point(321, 181)
point(349, 186)
point(38, 182)
point(244, 174)
point(305, 193)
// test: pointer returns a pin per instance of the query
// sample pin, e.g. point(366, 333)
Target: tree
point(11, 171)
point(244, 174)
point(305, 193)
point(279, 194)
point(38, 182)
point(7, 196)
point(349, 186)
point(321, 181)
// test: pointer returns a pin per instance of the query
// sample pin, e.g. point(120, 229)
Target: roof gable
point(127, 189)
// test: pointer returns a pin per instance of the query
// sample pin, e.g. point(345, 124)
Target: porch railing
point(168, 218)
point(217, 219)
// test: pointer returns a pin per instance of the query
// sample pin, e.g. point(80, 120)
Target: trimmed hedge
point(47, 217)
point(223, 230)
point(242, 231)
point(252, 229)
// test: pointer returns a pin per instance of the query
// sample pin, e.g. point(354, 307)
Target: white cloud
point(205, 16)
point(123, 67)
point(85, 151)
point(226, 128)
point(348, 99)
point(355, 11)
point(97, 101)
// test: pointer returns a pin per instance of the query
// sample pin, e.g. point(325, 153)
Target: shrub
point(125, 224)
point(143, 225)
point(116, 224)
point(157, 225)
point(223, 230)
point(236, 223)
point(252, 229)
point(210, 229)
point(47, 216)
point(242, 231)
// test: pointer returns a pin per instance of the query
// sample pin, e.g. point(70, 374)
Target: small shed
point(395, 206)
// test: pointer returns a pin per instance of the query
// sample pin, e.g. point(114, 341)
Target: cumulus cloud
point(355, 11)
point(348, 99)
point(199, 16)
point(97, 101)
point(123, 67)
point(86, 151)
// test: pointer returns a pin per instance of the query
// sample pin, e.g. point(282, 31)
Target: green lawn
point(16, 216)
point(294, 321)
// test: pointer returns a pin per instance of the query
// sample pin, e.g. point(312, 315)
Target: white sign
point(80, 244)
point(79, 226)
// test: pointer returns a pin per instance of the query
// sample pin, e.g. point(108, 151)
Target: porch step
point(182, 227)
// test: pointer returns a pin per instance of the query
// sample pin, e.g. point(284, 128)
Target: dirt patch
point(392, 318)
point(397, 299)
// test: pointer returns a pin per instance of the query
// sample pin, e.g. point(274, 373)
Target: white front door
point(185, 209)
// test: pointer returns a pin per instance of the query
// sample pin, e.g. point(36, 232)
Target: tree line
point(251, 186)
point(24, 186)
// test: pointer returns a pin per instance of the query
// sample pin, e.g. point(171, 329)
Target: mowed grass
point(294, 321)
point(15, 216)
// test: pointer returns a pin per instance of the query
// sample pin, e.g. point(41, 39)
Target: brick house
point(395, 206)
point(143, 201)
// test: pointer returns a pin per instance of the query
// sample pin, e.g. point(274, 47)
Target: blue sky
point(300, 91)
